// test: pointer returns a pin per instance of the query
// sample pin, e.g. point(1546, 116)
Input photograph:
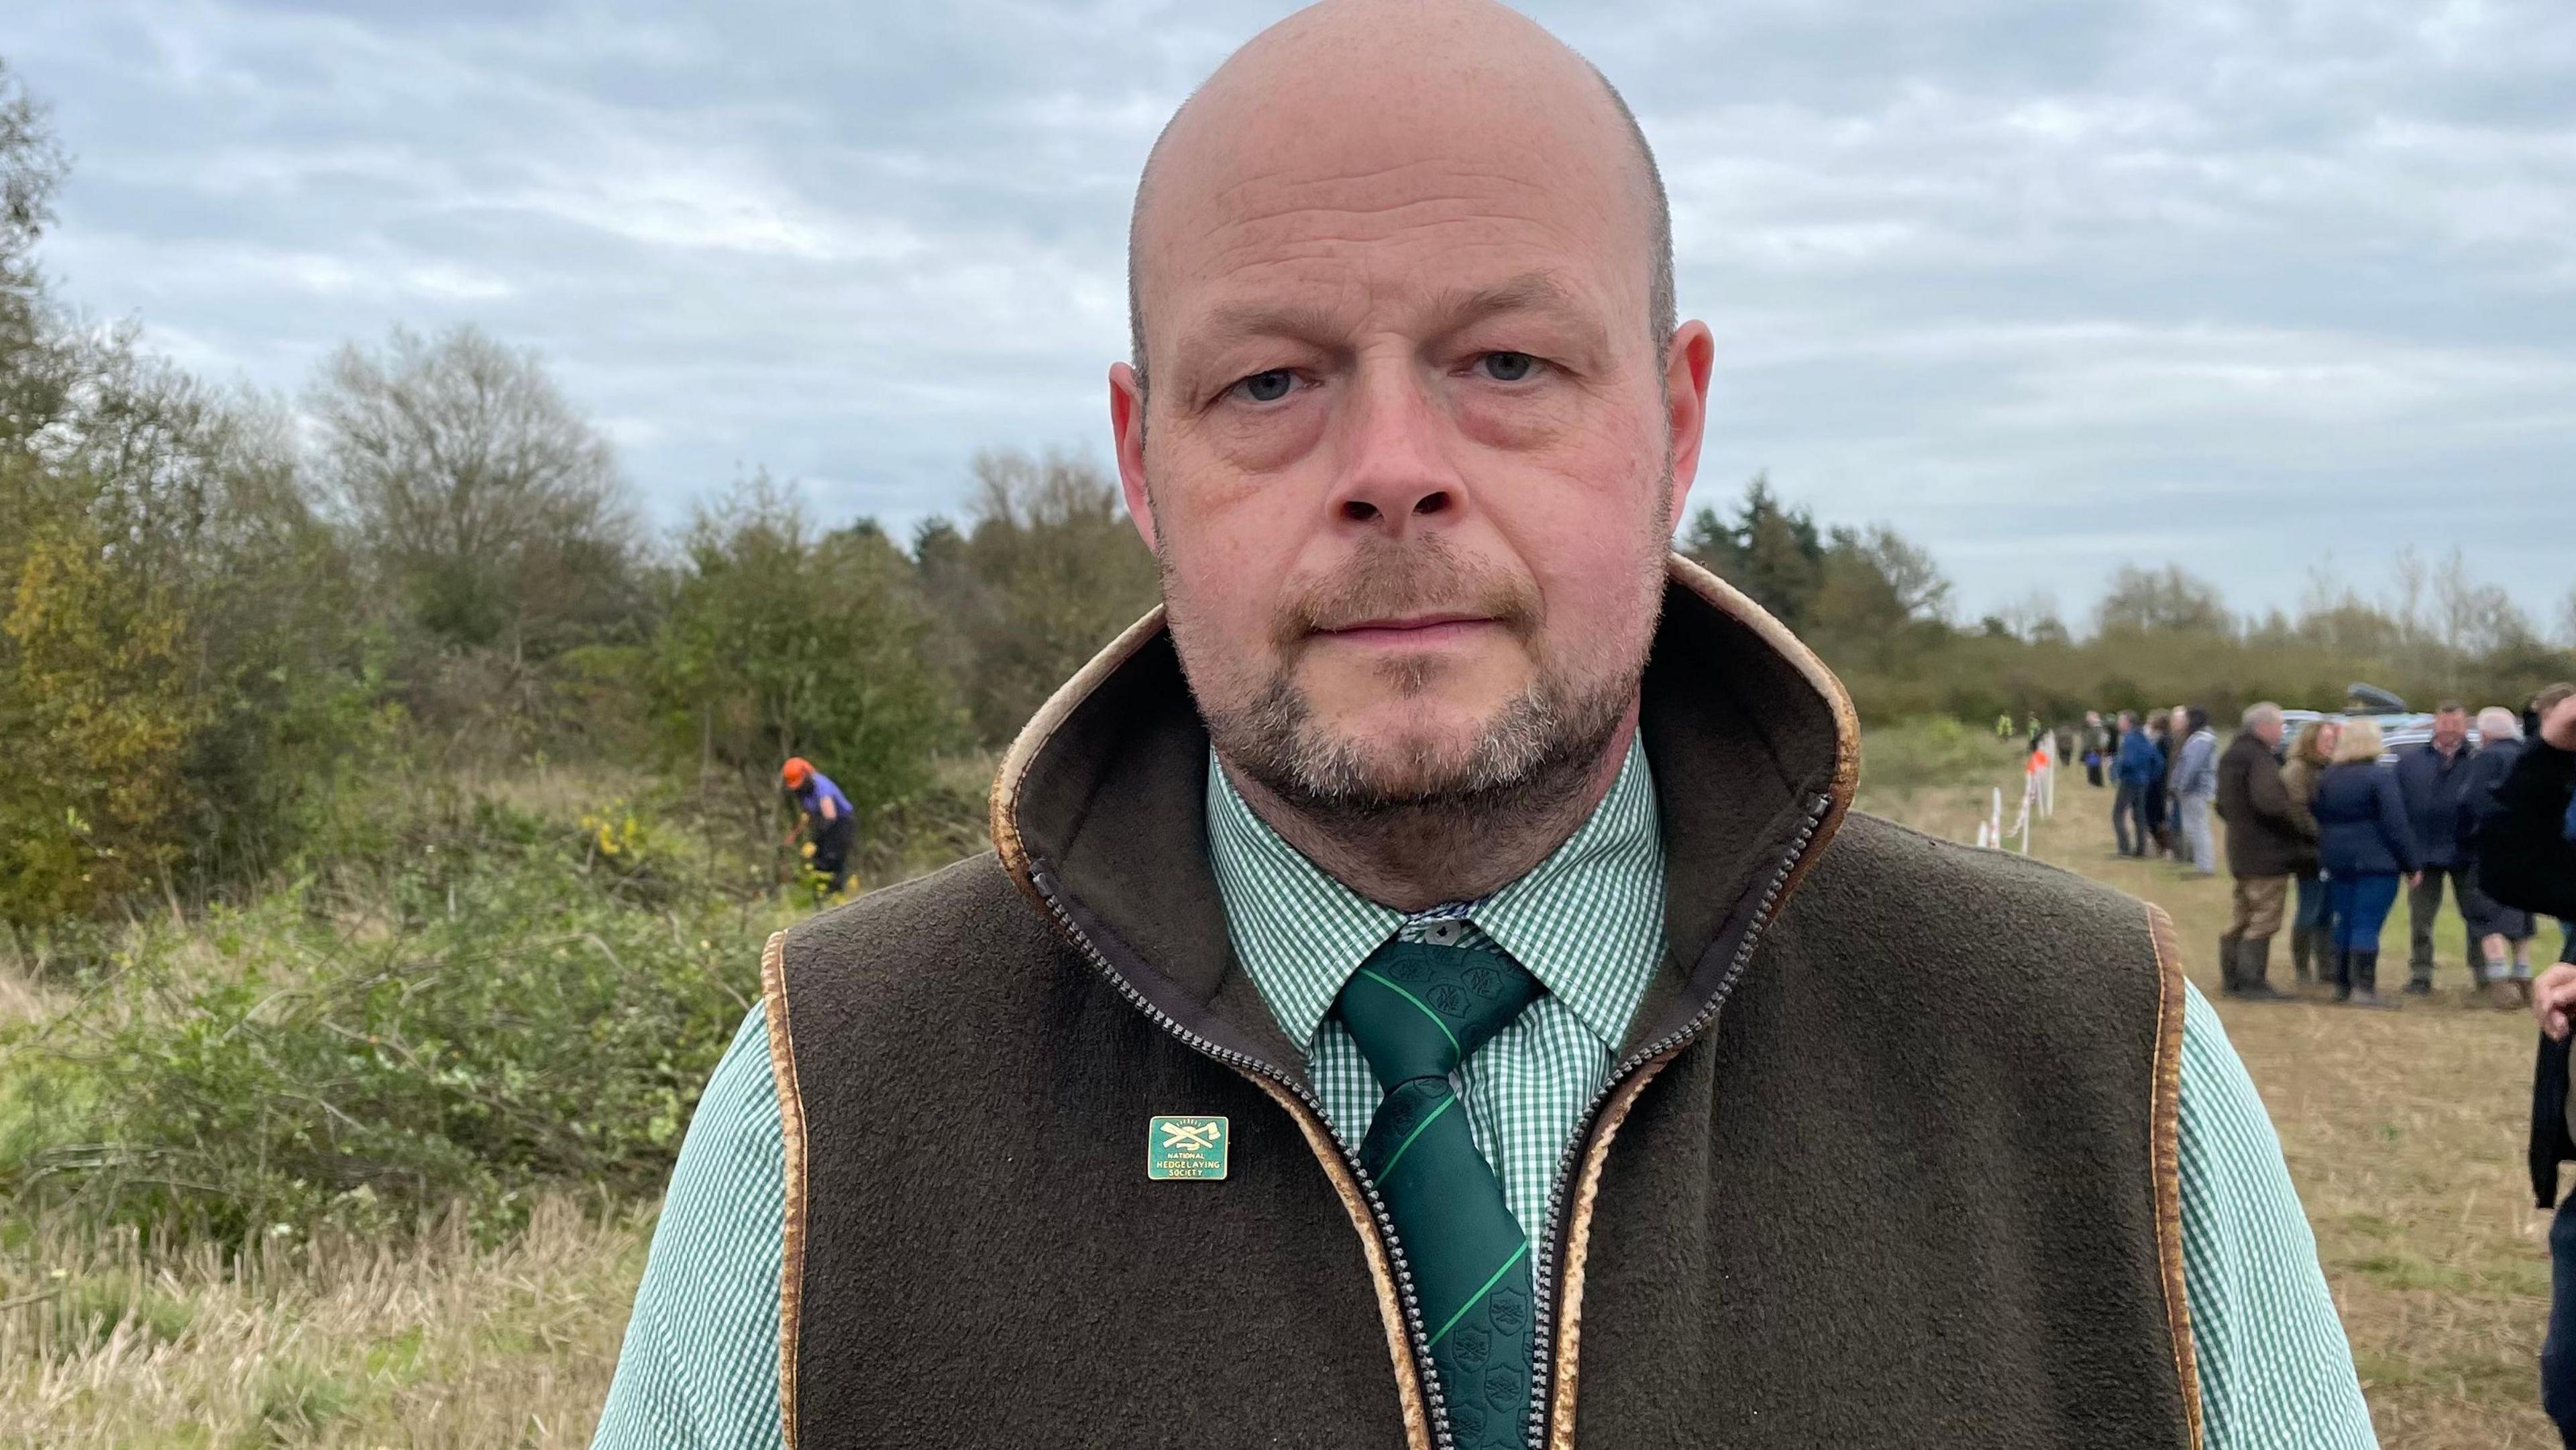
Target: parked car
point(2398, 726)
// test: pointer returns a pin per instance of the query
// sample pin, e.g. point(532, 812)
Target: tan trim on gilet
point(1390, 1308)
point(1006, 839)
point(2165, 1153)
point(791, 1123)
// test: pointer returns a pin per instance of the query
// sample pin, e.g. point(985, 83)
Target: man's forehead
point(1352, 124)
point(1290, 171)
point(1325, 305)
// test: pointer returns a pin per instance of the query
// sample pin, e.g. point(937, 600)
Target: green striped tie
point(1417, 1011)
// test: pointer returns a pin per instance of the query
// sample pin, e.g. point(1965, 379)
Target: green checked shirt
point(700, 1367)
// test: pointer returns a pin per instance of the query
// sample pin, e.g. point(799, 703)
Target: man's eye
point(1507, 367)
point(1267, 387)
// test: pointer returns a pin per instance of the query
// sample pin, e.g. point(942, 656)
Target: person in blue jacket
point(2500, 931)
point(2434, 779)
point(2138, 771)
point(2365, 844)
point(824, 814)
point(2195, 790)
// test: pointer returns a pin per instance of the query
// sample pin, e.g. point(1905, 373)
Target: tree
point(2471, 618)
point(2333, 616)
point(482, 500)
point(2162, 601)
point(782, 641)
point(35, 380)
point(175, 627)
point(1770, 551)
point(1050, 572)
point(94, 705)
point(1921, 589)
point(2033, 619)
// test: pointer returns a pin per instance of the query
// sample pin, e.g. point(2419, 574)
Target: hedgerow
point(509, 1005)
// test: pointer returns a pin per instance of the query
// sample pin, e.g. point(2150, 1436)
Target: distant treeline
point(1879, 610)
point(223, 616)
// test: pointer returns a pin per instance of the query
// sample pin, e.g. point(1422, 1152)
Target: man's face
point(2269, 732)
point(1409, 456)
point(2450, 727)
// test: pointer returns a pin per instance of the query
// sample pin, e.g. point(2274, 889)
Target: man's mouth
point(1427, 629)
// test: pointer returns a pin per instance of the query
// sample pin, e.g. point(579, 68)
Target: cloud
point(2046, 286)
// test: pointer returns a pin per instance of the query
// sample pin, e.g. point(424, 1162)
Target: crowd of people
point(2324, 833)
point(2326, 817)
point(2165, 771)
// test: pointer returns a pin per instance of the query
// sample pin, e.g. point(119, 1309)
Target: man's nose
point(1395, 463)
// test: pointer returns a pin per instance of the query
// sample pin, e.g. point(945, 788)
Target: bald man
point(1429, 987)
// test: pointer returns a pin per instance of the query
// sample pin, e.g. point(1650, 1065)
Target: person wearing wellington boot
point(2264, 849)
point(2367, 847)
point(2311, 941)
point(1422, 990)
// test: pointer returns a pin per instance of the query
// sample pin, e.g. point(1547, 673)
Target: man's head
point(794, 774)
point(2555, 716)
point(2128, 719)
point(2263, 722)
point(2450, 725)
point(2495, 723)
point(1409, 424)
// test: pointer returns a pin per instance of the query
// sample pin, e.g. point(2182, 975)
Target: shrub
point(522, 1006)
point(781, 641)
point(1934, 750)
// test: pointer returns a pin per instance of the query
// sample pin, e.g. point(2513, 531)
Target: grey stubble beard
point(1530, 769)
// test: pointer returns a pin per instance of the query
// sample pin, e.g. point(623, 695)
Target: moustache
point(1394, 580)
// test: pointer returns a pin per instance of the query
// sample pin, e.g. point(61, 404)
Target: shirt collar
point(1588, 921)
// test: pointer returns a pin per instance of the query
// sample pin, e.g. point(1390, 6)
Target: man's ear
point(1686, 368)
point(1127, 428)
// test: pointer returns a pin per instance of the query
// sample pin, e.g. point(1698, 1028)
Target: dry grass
point(2404, 1131)
point(438, 1344)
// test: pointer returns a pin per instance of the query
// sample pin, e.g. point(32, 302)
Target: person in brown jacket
point(2310, 754)
point(2264, 850)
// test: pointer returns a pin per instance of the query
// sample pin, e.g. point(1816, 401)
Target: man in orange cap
point(826, 813)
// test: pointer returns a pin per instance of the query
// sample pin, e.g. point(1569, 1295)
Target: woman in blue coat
point(2364, 845)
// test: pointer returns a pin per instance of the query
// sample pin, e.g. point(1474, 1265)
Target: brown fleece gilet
point(1895, 1128)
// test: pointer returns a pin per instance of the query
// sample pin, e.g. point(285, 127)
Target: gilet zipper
point(1425, 1374)
point(1543, 1277)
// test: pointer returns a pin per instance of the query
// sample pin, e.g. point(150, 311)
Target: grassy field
point(2403, 1129)
point(437, 1345)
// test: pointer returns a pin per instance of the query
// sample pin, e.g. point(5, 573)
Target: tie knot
point(1418, 1010)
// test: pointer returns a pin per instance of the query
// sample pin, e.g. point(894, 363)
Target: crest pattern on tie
point(1417, 1010)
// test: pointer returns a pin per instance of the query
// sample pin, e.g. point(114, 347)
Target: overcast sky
point(2048, 287)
